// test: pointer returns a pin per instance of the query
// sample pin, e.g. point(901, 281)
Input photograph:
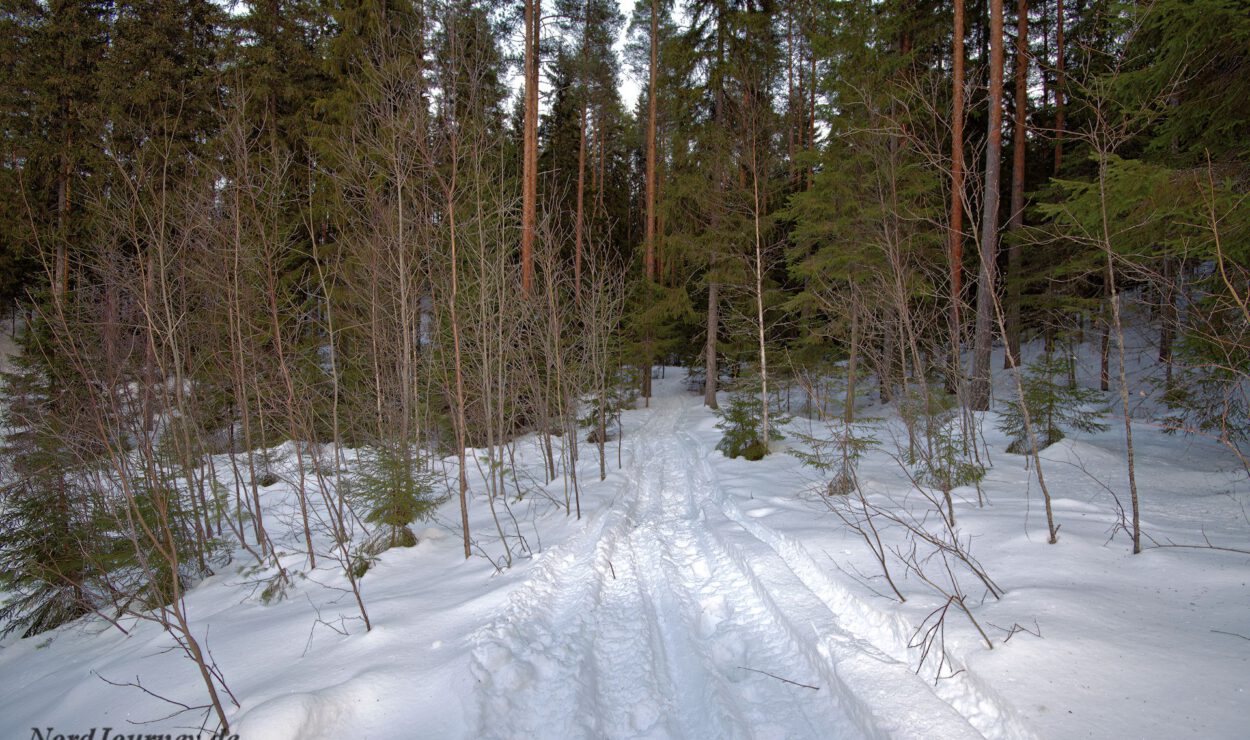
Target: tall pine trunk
point(980, 390)
point(653, 75)
point(957, 190)
point(1015, 224)
point(651, 153)
point(529, 174)
point(1060, 88)
point(581, 211)
point(713, 326)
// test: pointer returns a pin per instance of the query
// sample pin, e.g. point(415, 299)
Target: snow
point(703, 597)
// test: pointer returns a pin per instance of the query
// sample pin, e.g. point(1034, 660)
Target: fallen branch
point(1017, 627)
point(779, 678)
point(182, 708)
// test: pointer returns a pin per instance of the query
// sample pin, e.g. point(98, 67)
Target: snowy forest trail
point(676, 616)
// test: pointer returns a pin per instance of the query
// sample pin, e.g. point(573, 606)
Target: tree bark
point(1016, 222)
point(651, 153)
point(1168, 318)
point(1104, 368)
point(765, 433)
point(1060, 88)
point(957, 188)
point(713, 326)
point(529, 175)
point(811, 114)
point(980, 390)
point(60, 279)
point(579, 226)
point(581, 199)
point(461, 422)
point(851, 364)
point(792, 111)
point(649, 226)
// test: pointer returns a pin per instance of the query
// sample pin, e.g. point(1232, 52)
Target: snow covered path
point(675, 615)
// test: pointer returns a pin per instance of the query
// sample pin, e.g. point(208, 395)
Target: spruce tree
point(50, 530)
point(1053, 406)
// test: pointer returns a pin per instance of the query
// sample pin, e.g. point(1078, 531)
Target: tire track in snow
point(535, 663)
point(778, 558)
point(654, 622)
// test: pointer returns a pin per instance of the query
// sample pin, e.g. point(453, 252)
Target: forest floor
point(705, 597)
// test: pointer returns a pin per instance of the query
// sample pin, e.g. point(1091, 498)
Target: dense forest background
point(424, 227)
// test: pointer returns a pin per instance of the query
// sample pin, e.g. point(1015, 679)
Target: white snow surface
point(701, 597)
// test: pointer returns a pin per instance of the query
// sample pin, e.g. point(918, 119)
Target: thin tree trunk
point(579, 225)
point(529, 195)
point(651, 153)
point(851, 362)
point(1168, 317)
point(1016, 222)
point(60, 280)
point(792, 110)
point(1060, 88)
point(1104, 370)
point(957, 190)
point(1044, 61)
point(601, 132)
point(581, 165)
point(1113, 298)
point(980, 390)
point(463, 479)
point(713, 321)
point(649, 226)
point(811, 114)
point(759, 289)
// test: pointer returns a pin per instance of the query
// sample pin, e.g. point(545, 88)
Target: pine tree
point(161, 74)
point(987, 274)
point(836, 451)
point(529, 124)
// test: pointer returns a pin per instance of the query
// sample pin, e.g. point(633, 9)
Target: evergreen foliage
point(942, 455)
point(1054, 407)
point(45, 531)
point(241, 227)
point(68, 541)
point(395, 491)
point(741, 424)
point(621, 394)
point(836, 452)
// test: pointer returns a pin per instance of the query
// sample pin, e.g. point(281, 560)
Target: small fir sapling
point(941, 457)
point(1054, 407)
point(836, 453)
point(51, 533)
point(396, 492)
point(619, 394)
point(741, 422)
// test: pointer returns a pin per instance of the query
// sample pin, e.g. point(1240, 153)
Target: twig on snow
point(779, 678)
